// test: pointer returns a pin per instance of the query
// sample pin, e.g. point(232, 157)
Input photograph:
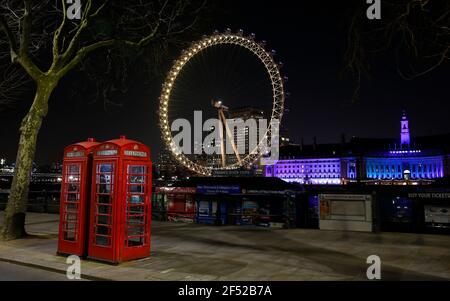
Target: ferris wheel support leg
point(230, 136)
point(222, 142)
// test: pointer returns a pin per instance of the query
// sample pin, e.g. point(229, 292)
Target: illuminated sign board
point(109, 152)
point(226, 189)
point(75, 154)
point(135, 153)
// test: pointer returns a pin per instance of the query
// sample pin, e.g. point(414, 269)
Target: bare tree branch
point(57, 34)
point(12, 85)
point(25, 25)
point(86, 19)
point(415, 31)
point(11, 38)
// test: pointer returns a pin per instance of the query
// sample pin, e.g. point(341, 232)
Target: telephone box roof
point(89, 143)
point(122, 141)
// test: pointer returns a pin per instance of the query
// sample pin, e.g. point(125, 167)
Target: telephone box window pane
point(70, 236)
point(104, 199)
point(102, 241)
point(71, 207)
point(73, 188)
point(73, 179)
point(73, 169)
point(136, 189)
point(104, 179)
point(136, 179)
point(135, 210)
point(70, 227)
point(73, 197)
point(103, 209)
point(103, 230)
point(135, 231)
point(135, 241)
point(104, 188)
point(106, 168)
point(103, 219)
point(136, 199)
point(71, 217)
point(136, 169)
point(135, 220)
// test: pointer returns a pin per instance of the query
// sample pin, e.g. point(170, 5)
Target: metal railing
point(38, 201)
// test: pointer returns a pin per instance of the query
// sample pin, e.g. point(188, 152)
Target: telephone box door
point(71, 236)
point(137, 209)
point(103, 210)
point(75, 196)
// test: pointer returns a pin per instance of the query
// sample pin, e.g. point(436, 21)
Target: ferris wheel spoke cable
point(231, 65)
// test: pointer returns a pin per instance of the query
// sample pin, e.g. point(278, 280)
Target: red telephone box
point(120, 213)
point(75, 195)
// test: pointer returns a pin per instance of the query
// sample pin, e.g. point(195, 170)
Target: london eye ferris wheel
point(222, 61)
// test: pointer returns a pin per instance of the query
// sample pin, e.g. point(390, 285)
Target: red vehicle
point(75, 195)
point(120, 213)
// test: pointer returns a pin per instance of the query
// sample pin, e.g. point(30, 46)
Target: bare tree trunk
point(14, 223)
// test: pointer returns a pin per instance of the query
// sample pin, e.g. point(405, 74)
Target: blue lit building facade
point(404, 166)
point(381, 161)
point(405, 162)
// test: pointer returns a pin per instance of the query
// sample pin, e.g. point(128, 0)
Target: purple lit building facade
point(359, 161)
point(322, 171)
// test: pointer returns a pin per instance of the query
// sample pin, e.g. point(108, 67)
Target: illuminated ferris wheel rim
point(272, 69)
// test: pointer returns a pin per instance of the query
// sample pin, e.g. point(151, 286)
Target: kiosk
point(346, 212)
point(120, 213)
point(74, 200)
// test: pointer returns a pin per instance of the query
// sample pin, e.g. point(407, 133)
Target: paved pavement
point(198, 252)
point(16, 272)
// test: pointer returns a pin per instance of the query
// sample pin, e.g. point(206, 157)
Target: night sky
point(309, 40)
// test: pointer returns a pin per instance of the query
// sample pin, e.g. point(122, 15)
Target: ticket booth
point(120, 214)
point(181, 204)
point(75, 196)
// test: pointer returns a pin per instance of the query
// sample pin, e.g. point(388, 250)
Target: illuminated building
point(241, 131)
point(308, 171)
point(367, 160)
point(406, 162)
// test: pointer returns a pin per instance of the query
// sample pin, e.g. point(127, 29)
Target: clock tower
point(404, 132)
